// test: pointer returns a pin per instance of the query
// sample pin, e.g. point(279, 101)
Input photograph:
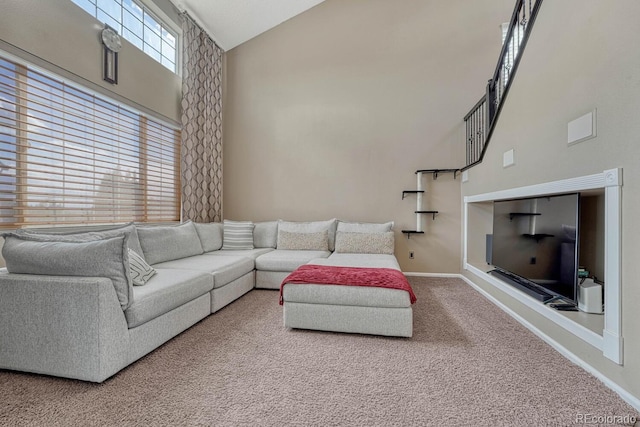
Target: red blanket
point(350, 276)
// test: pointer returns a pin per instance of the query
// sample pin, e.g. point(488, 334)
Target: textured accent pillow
point(364, 243)
point(141, 272)
point(311, 227)
point(210, 235)
point(169, 242)
point(86, 236)
point(237, 235)
point(318, 241)
point(265, 234)
point(25, 254)
point(364, 227)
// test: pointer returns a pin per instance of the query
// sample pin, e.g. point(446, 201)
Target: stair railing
point(481, 120)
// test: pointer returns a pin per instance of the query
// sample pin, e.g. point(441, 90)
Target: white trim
point(624, 394)
point(612, 266)
point(583, 183)
point(418, 274)
point(611, 341)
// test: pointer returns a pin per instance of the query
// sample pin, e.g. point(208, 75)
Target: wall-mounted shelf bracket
point(404, 193)
point(410, 232)
point(428, 212)
point(436, 172)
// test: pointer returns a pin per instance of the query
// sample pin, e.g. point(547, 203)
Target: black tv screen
point(537, 240)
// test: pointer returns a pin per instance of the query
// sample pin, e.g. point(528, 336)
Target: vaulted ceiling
point(233, 22)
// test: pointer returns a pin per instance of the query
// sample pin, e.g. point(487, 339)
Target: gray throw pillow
point(169, 242)
point(364, 243)
point(237, 235)
point(265, 234)
point(210, 235)
point(25, 254)
point(318, 241)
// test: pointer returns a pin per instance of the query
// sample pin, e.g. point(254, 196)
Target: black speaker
point(488, 247)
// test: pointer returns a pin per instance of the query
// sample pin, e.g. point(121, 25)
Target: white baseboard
point(416, 274)
point(624, 394)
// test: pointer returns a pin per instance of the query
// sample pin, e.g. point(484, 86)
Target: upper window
point(138, 25)
point(68, 156)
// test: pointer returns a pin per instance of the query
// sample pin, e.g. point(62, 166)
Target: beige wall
point(582, 55)
point(58, 35)
point(331, 113)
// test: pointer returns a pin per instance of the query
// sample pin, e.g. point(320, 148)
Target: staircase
point(481, 120)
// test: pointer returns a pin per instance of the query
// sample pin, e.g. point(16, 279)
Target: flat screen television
point(536, 240)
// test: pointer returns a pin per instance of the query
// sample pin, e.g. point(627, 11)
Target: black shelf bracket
point(428, 212)
point(538, 237)
point(436, 172)
point(410, 232)
point(404, 193)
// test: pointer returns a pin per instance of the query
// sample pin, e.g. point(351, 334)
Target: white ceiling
point(233, 22)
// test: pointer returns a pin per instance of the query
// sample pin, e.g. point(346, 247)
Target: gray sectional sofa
point(56, 318)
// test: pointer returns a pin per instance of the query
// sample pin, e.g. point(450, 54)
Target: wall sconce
point(111, 45)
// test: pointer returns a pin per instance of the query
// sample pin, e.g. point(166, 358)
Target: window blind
point(71, 157)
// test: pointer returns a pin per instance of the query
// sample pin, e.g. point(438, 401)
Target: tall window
point(138, 25)
point(71, 157)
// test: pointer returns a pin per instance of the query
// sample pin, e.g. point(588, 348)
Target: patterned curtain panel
point(201, 157)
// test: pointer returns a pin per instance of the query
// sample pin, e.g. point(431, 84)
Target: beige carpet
point(468, 364)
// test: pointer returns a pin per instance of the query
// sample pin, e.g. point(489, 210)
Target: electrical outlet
point(533, 260)
point(411, 255)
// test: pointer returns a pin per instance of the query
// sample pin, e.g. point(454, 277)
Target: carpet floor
point(468, 364)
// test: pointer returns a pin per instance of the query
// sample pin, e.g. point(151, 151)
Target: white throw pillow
point(364, 243)
point(237, 235)
point(141, 272)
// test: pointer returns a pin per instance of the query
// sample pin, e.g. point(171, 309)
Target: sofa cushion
point(265, 234)
point(169, 242)
point(287, 260)
point(98, 258)
point(365, 243)
point(311, 227)
point(141, 272)
point(224, 269)
point(248, 253)
point(237, 235)
point(363, 296)
point(318, 241)
point(210, 235)
point(364, 227)
point(85, 236)
point(167, 290)
point(359, 260)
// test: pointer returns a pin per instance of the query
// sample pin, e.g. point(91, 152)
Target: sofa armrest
point(71, 327)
